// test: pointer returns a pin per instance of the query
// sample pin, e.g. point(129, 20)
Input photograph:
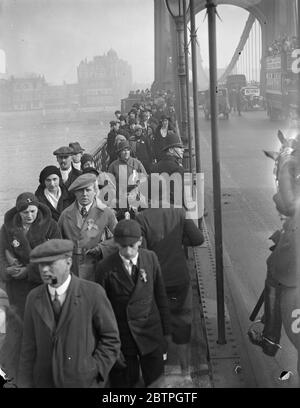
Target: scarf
point(53, 199)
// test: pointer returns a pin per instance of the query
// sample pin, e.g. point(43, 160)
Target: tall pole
point(298, 45)
point(195, 85)
point(211, 11)
point(179, 21)
point(187, 80)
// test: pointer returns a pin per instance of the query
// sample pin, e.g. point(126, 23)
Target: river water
point(27, 146)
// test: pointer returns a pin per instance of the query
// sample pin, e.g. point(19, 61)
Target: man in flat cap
point(133, 283)
point(70, 337)
point(77, 154)
point(110, 145)
point(88, 223)
point(68, 172)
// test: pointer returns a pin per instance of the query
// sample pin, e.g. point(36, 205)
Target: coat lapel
point(44, 308)
point(141, 266)
point(74, 215)
point(120, 273)
point(70, 306)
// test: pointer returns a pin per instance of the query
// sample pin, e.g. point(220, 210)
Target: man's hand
point(96, 251)
point(121, 362)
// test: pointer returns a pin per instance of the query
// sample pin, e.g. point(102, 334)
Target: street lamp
point(176, 9)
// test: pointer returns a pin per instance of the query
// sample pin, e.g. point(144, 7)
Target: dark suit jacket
point(74, 173)
point(77, 353)
point(164, 231)
point(141, 310)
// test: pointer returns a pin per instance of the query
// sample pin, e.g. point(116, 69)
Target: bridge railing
point(101, 157)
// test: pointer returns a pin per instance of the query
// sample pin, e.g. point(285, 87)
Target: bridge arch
point(257, 12)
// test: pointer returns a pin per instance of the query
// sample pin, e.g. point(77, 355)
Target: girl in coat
point(52, 192)
point(26, 225)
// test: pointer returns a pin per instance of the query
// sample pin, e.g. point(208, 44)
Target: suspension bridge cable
point(240, 47)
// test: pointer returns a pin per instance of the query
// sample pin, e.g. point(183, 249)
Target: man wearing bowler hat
point(133, 283)
point(67, 170)
point(70, 337)
point(88, 223)
point(77, 154)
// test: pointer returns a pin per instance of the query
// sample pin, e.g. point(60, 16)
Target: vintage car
point(223, 103)
point(251, 98)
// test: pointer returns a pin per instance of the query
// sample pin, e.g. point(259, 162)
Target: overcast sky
point(55, 35)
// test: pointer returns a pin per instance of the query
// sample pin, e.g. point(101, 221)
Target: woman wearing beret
point(26, 225)
point(52, 192)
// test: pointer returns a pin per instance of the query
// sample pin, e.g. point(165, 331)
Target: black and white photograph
point(149, 193)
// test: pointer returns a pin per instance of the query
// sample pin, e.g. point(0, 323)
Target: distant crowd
point(283, 44)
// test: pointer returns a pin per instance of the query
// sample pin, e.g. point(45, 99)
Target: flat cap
point(84, 180)
point(64, 151)
point(75, 146)
point(114, 122)
point(127, 232)
point(51, 250)
point(91, 169)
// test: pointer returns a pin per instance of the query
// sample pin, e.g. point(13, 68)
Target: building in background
point(101, 84)
point(104, 80)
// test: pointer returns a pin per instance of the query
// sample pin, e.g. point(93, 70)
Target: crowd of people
point(96, 293)
point(283, 44)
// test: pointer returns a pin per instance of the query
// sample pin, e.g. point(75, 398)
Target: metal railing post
point(211, 11)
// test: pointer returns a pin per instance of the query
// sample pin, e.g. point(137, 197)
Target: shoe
point(268, 347)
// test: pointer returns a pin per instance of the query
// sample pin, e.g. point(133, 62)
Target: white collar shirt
point(61, 291)
point(86, 206)
point(129, 262)
point(65, 174)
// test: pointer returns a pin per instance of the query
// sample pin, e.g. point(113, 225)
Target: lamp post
point(176, 10)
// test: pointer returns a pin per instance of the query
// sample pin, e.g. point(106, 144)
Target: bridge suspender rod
point(195, 85)
point(298, 39)
point(211, 11)
point(187, 79)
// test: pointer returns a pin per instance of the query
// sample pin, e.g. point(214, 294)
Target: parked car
point(223, 103)
point(251, 98)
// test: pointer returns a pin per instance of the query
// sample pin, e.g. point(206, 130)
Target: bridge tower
point(276, 17)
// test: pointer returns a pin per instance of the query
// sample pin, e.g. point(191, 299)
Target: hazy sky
point(55, 35)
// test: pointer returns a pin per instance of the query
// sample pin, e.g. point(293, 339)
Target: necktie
point(56, 306)
point(134, 272)
point(83, 212)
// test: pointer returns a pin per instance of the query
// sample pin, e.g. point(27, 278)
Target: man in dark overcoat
point(134, 285)
point(165, 231)
point(70, 337)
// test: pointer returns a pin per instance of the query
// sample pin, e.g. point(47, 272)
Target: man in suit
point(64, 158)
point(164, 231)
point(89, 224)
point(70, 337)
point(77, 154)
point(133, 283)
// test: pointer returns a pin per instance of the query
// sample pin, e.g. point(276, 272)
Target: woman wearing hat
point(52, 192)
point(159, 140)
point(26, 225)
